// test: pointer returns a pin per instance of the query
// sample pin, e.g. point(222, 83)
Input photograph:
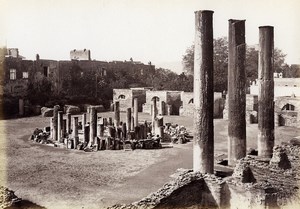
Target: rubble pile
point(8, 198)
point(176, 134)
point(41, 136)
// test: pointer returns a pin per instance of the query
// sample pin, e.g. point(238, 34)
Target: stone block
point(47, 112)
point(73, 110)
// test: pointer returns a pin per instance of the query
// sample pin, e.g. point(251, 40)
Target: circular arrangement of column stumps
point(105, 134)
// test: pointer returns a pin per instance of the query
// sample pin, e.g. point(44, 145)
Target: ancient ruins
point(264, 178)
point(101, 133)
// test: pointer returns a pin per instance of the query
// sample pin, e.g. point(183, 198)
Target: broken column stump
point(59, 127)
point(124, 131)
point(55, 122)
point(86, 134)
point(64, 128)
point(154, 113)
point(75, 132)
point(68, 123)
point(128, 119)
point(51, 128)
point(236, 92)
point(93, 125)
point(83, 119)
point(136, 112)
point(117, 113)
point(266, 92)
point(203, 145)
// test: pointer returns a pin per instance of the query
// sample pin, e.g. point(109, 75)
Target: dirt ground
point(60, 178)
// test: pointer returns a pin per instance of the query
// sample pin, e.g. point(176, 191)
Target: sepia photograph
point(149, 104)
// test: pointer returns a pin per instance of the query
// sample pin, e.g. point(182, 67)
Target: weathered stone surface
point(242, 171)
point(7, 198)
point(236, 91)
point(47, 112)
point(203, 149)
point(73, 110)
point(280, 159)
point(99, 108)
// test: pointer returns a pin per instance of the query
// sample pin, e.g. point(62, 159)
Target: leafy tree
point(39, 91)
point(221, 63)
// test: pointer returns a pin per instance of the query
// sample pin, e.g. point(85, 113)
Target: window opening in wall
point(155, 97)
point(46, 71)
point(289, 107)
point(13, 74)
point(191, 101)
point(25, 75)
point(122, 96)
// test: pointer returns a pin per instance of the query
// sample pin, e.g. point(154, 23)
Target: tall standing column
point(154, 113)
point(68, 123)
point(203, 143)
point(60, 126)
point(93, 125)
point(236, 91)
point(266, 92)
point(117, 114)
point(128, 119)
point(136, 112)
point(55, 122)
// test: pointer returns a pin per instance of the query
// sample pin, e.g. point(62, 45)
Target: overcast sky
point(146, 30)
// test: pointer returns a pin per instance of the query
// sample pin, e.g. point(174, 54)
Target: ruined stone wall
point(286, 117)
point(187, 108)
point(141, 95)
point(80, 54)
point(48, 69)
point(282, 87)
point(162, 95)
point(174, 99)
point(124, 96)
point(60, 73)
point(17, 87)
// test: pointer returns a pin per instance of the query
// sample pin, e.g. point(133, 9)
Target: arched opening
point(288, 107)
point(122, 96)
point(191, 101)
point(156, 98)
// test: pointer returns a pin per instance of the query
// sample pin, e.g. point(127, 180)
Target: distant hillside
point(174, 66)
